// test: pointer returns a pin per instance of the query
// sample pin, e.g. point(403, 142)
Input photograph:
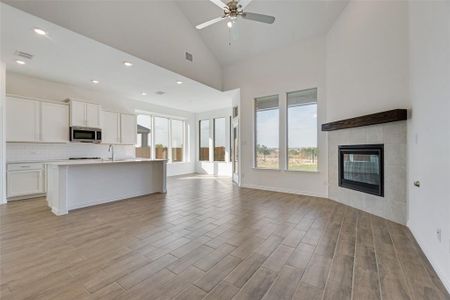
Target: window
point(204, 140)
point(154, 135)
point(144, 139)
point(302, 130)
point(177, 135)
point(219, 139)
point(161, 137)
point(267, 132)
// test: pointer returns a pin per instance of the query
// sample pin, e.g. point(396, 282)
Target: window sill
point(176, 162)
point(289, 171)
point(303, 171)
point(266, 169)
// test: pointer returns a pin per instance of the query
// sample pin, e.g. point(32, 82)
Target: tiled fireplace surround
point(393, 205)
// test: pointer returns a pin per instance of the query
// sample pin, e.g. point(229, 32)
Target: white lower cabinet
point(25, 180)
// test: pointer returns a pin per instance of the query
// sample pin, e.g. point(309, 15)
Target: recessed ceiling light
point(95, 81)
point(20, 62)
point(127, 64)
point(144, 94)
point(40, 31)
point(179, 82)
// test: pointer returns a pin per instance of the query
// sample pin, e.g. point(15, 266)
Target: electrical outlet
point(439, 234)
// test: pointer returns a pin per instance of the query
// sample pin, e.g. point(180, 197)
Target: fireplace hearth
point(361, 168)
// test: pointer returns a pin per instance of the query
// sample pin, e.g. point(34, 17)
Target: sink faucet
point(111, 149)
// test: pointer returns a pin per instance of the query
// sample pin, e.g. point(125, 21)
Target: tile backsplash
point(17, 152)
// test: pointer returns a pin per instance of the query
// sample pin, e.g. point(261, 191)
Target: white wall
point(212, 167)
point(2, 135)
point(367, 72)
point(27, 86)
point(367, 59)
point(429, 131)
point(156, 31)
point(298, 67)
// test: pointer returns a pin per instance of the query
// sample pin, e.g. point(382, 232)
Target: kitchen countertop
point(101, 161)
point(36, 161)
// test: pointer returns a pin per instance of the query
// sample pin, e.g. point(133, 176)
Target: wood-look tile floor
point(208, 239)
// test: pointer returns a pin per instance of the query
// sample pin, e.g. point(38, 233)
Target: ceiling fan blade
point(210, 22)
point(258, 17)
point(244, 3)
point(219, 4)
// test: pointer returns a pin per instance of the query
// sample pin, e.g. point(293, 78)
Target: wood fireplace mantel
point(372, 119)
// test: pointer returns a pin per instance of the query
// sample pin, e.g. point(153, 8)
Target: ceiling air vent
point(160, 93)
point(189, 57)
point(23, 54)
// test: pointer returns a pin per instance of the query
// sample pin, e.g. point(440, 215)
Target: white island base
point(78, 184)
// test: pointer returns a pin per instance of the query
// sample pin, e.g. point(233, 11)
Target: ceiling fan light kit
point(234, 9)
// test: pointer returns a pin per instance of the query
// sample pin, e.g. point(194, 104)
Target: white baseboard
point(58, 212)
point(442, 276)
point(281, 190)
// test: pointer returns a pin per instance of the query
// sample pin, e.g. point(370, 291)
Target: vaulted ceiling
point(67, 57)
point(153, 29)
point(295, 20)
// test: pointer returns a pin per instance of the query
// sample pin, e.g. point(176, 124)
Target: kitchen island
point(77, 184)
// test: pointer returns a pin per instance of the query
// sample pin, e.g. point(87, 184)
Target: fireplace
point(361, 168)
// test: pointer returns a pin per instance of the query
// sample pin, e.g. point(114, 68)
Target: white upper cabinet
point(77, 113)
point(85, 114)
point(111, 127)
point(49, 122)
point(54, 122)
point(93, 115)
point(119, 128)
point(128, 129)
point(22, 120)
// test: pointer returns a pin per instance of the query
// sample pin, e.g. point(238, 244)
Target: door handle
point(417, 183)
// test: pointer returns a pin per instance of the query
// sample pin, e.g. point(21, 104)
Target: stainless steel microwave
point(85, 135)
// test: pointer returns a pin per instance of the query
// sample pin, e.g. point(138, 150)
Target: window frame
point(200, 140)
point(287, 132)
point(183, 140)
point(169, 146)
point(168, 137)
point(150, 137)
point(214, 139)
point(255, 133)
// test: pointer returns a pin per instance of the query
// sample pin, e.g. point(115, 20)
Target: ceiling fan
point(234, 9)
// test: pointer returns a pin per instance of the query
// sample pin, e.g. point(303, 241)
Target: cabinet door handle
point(25, 167)
point(417, 183)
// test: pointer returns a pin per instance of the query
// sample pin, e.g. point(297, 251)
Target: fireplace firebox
point(361, 168)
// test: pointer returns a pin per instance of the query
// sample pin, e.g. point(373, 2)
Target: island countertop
point(102, 161)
